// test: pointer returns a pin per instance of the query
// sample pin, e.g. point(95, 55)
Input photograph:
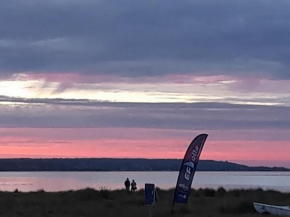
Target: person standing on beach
point(133, 186)
point(127, 184)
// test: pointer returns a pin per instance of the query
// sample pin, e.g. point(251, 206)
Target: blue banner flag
point(187, 169)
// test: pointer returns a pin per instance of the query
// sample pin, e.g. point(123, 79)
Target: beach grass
point(119, 203)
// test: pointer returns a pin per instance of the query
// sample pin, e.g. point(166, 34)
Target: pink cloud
point(135, 143)
point(75, 77)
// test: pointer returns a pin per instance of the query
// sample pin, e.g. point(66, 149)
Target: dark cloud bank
point(59, 113)
point(145, 38)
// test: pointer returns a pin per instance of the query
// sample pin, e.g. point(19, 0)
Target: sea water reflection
point(62, 181)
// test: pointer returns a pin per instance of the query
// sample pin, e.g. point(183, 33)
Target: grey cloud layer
point(57, 113)
point(139, 38)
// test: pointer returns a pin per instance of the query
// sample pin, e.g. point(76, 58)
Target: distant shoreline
point(121, 164)
point(217, 171)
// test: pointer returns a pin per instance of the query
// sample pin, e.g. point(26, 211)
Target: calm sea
point(62, 181)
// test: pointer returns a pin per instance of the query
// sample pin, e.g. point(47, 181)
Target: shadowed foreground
point(119, 203)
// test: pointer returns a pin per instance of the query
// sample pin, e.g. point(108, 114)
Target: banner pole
point(172, 209)
point(150, 210)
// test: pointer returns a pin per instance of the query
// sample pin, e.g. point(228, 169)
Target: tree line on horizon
point(107, 164)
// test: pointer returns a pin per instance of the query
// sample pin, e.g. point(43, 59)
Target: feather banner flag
point(187, 169)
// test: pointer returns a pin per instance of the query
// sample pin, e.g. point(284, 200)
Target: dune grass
point(119, 203)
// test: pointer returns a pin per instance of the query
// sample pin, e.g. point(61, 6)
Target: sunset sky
point(140, 79)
